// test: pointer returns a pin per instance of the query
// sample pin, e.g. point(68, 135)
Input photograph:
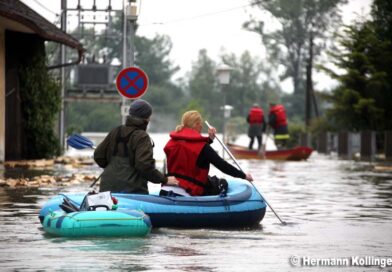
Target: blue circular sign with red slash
point(132, 82)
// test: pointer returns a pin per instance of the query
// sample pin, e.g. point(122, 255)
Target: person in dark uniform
point(277, 120)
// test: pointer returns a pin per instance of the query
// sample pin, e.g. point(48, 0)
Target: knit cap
point(140, 108)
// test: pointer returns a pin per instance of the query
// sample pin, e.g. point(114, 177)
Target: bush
point(234, 127)
point(295, 131)
point(40, 101)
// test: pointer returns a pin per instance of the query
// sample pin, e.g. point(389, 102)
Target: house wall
point(18, 55)
point(2, 94)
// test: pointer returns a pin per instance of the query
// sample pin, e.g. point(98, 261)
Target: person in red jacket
point(278, 121)
point(189, 156)
point(256, 122)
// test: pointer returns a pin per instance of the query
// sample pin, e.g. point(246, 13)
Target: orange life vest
point(182, 152)
point(280, 114)
point(256, 115)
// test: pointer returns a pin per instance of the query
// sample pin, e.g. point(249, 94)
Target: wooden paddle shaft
point(235, 161)
point(225, 148)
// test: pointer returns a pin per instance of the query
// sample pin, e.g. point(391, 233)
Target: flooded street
point(334, 209)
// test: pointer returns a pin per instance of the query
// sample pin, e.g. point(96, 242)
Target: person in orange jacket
point(189, 156)
point(256, 122)
point(278, 121)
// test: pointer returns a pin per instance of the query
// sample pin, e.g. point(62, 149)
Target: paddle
point(235, 161)
point(263, 147)
point(80, 142)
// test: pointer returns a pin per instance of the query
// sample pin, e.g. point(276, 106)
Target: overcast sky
point(215, 25)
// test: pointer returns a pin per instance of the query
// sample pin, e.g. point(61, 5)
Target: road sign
point(132, 82)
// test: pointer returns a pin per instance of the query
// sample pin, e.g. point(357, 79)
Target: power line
point(42, 6)
point(202, 15)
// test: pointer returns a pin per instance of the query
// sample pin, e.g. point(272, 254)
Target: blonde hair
point(189, 120)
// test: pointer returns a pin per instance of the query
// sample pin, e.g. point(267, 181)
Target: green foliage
point(153, 56)
point(40, 100)
point(362, 99)
point(165, 98)
point(295, 131)
point(288, 45)
point(382, 19)
point(204, 89)
point(320, 125)
point(244, 89)
point(92, 116)
point(295, 105)
point(73, 130)
point(235, 126)
point(199, 90)
point(194, 105)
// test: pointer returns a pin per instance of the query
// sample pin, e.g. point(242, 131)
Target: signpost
point(125, 110)
point(132, 82)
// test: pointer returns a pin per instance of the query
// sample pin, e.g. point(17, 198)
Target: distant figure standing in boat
point(126, 154)
point(256, 122)
point(189, 156)
point(277, 120)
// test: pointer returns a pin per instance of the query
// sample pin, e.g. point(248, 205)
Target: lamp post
point(223, 73)
point(226, 115)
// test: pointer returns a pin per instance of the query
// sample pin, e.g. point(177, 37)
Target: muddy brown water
point(335, 210)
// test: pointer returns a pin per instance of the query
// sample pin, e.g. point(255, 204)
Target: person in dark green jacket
point(126, 154)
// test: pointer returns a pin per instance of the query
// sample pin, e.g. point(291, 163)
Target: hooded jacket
point(126, 154)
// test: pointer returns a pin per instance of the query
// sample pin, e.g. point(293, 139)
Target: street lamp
point(223, 73)
point(131, 10)
point(227, 111)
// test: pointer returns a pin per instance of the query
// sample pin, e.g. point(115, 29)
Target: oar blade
point(79, 142)
point(84, 140)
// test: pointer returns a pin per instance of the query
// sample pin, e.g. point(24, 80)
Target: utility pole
point(223, 73)
point(94, 74)
point(130, 17)
point(124, 55)
point(309, 84)
point(62, 72)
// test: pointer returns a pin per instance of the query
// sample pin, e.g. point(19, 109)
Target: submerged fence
point(366, 145)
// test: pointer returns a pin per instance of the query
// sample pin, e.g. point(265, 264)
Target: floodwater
point(336, 211)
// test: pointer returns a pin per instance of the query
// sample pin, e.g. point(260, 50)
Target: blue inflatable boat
point(243, 206)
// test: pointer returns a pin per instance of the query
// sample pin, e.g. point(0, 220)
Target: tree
point(244, 88)
point(362, 99)
point(251, 82)
point(287, 46)
point(152, 55)
point(91, 116)
point(203, 87)
point(382, 19)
